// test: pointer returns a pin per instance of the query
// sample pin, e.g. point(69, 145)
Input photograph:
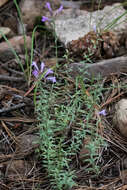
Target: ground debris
point(94, 46)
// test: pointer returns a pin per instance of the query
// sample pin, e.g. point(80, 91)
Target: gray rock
point(17, 43)
point(74, 23)
point(103, 68)
point(27, 143)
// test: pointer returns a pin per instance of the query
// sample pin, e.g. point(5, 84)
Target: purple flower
point(53, 79)
point(48, 6)
point(95, 28)
point(35, 65)
point(36, 69)
point(44, 19)
point(103, 112)
point(49, 71)
point(59, 10)
point(42, 67)
point(36, 72)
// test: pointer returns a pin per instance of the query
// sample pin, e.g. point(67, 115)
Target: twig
point(12, 108)
point(21, 92)
point(8, 131)
point(112, 99)
point(9, 78)
point(28, 92)
point(12, 70)
point(18, 119)
point(4, 186)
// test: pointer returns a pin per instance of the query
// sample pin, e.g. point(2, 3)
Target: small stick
point(13, 89)
point(12, 108)
point(12, 70)
point(9, 78)
point(18, 119)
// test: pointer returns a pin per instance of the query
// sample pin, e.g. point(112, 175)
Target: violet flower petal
point(44, 19)
point(35, 65)
point(49, 7)
point(42, 67)
point(49, 71)
point(35, 73)
point(59, 10)
point(95, 28)
point(103, 112)
point(53, 79)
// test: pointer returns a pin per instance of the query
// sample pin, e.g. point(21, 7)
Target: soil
point(20, 164)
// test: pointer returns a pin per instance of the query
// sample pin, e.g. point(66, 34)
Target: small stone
point(27, 143)
point(2, 2)
point(120, 117)
point(4, 30)
point(18, 45)
point(16, 42)
point(17, 168)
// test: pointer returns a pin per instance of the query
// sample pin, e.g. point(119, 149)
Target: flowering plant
point(52, 14)
point(36, 72)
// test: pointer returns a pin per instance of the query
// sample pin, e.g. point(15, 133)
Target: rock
point(27, 143)
point(4, 30)
point(16, 42)
point(2, 2)
point(18, 45)
point(16, 168)
point(72, 4)
point(103, 68)
point(73, 23)
point(120, 117)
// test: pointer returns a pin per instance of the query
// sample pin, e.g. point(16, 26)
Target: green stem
point(24, 36)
